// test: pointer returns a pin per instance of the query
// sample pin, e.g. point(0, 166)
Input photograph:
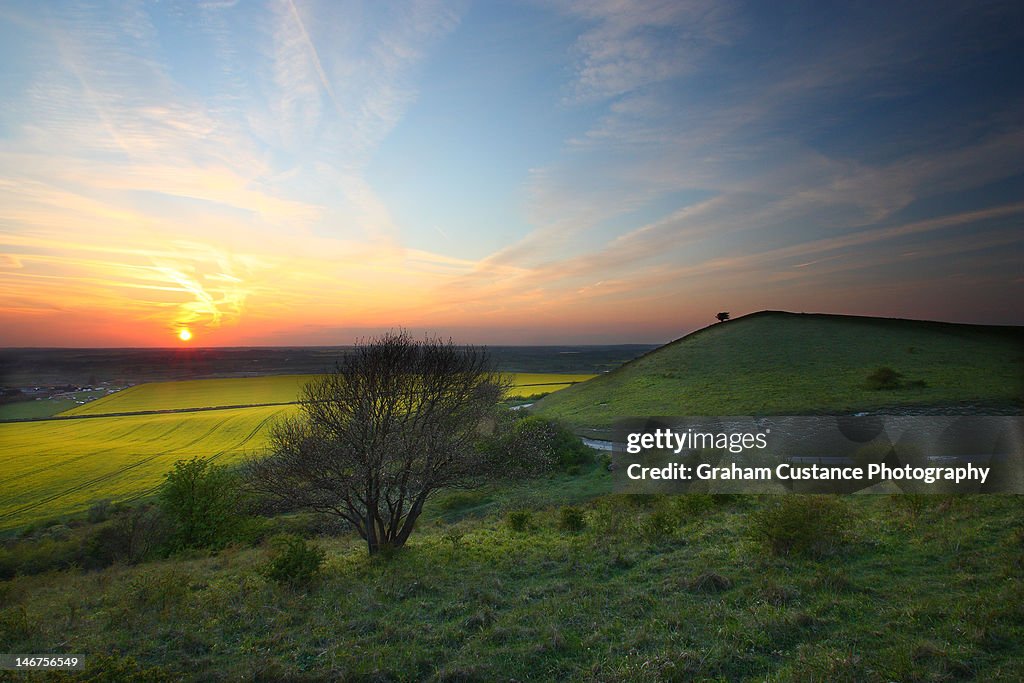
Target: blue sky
point(503, 172)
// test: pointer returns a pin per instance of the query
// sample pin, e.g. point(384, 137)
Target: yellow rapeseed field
point(247, 391)
point(197, 393)
point(58, 467)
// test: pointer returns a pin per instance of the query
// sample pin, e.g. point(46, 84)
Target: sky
point(552, 172)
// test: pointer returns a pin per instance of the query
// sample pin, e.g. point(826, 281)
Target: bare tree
point(397, 421)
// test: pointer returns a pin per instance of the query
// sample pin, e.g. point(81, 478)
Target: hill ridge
point(774, 362)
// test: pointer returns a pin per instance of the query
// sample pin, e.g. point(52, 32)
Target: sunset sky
point(296, 172)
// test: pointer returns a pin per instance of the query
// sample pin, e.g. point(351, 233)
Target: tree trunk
point(372, 541)
point(410, 521)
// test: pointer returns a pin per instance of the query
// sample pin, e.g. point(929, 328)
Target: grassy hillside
point(781, 363)
point(239, 391)
point(921, 590)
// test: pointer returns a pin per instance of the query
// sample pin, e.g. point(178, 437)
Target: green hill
point(787, 363)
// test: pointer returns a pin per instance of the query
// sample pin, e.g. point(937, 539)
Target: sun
point(184, 334)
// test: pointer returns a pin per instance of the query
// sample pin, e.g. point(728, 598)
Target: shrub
point(200, 501)
point(295, 562)
point(658, 526)
point(693, 505)
point(161, 589)
point(29, 557)
point(610, 518)
point(884, 378)
point(99, 511)
point(520, 520)
point(572, 519)
point(454, 538)
point(16, 626)
point(642, 500)
point(803, 525)
point(134, 535)
point(561, 447)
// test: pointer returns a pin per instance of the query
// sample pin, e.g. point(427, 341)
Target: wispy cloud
point(631, 44)
point(246, 168)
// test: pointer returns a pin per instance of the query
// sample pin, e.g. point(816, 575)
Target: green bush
point(16, 626)
point(99, 511)
point(29, 557)
point(562, 448)
point(660, 525)
point(161, 589)
point(129, 535)
point(200, 501)
point(520, 520)
point(134, 535)
point(802, 525)
point(610, 518)
point(294, 562)
point(572, 519)
point(693, 505)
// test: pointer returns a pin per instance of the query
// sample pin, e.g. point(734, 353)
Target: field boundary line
point(171, 411)
point(165, 411)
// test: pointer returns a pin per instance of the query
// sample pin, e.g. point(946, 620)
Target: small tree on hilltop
point(395, 422)
point(723, 316)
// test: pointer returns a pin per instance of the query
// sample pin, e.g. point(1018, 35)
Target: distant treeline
point(23, 367)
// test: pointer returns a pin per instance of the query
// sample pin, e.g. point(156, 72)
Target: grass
point(46, 407)
point(245, 391)
point(931, 594)
point(784, 363)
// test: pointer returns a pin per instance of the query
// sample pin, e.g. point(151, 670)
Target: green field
point(46, 407)
point(785, 363)
point(245, 391)
point(59, 467)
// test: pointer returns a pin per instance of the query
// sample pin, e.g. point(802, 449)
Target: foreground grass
point(925, 590)
point(790, 364)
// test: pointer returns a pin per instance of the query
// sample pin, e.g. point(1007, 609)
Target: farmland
point(246, 391)
point(56, 467)
point(495, 584)
point(200, 393)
